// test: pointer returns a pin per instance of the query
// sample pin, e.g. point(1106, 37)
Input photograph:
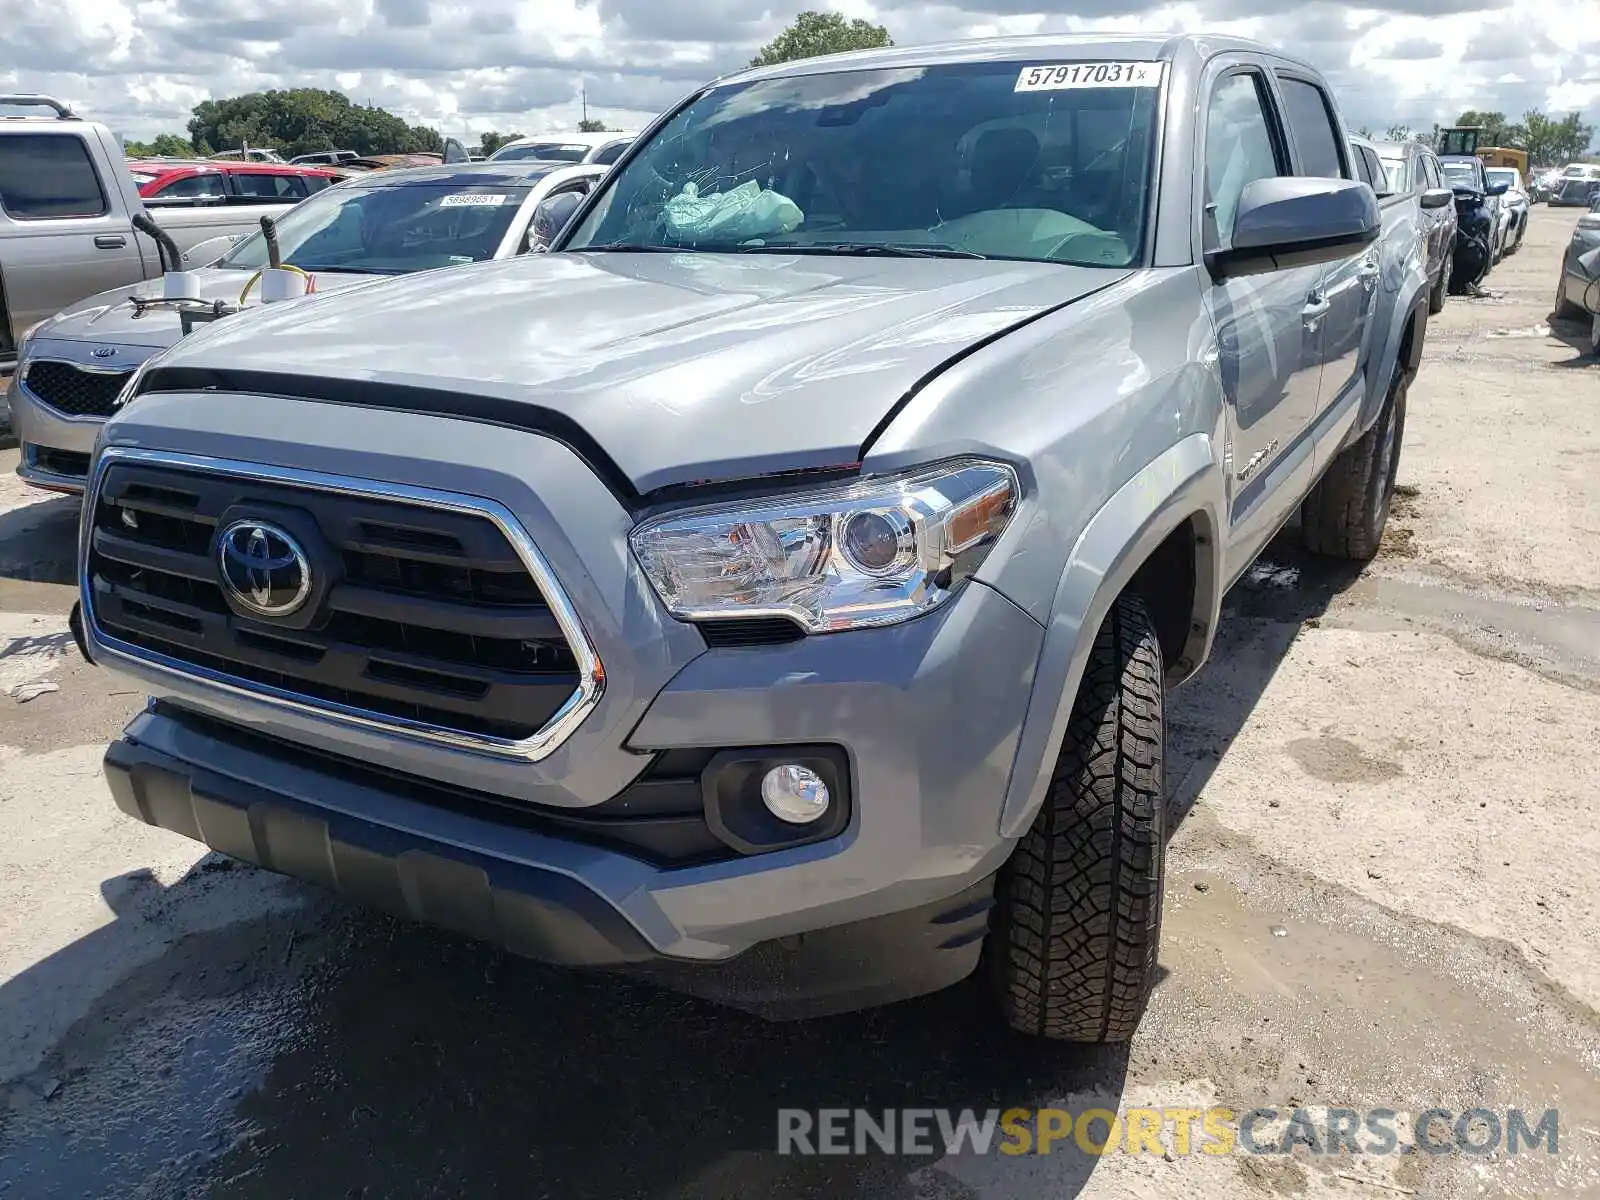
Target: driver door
point(1269, 327)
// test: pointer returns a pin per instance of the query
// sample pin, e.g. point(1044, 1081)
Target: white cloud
point(140, 65)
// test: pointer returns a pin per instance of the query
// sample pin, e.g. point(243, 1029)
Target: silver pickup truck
point(786, 614)
point(67, 218)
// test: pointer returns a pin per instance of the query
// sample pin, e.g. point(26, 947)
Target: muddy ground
point(1382, 893)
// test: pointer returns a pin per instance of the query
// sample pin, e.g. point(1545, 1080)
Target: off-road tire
point(1345, 513)
point(1078, 921)
point(1566, 310)
point(1441, 287)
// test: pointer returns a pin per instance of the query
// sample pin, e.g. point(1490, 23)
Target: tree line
point(1546, 140)
point(293, 121)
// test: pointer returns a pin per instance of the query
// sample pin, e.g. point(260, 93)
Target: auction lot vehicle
point(1465, 174)
point(604, 148)
point(1412, 170)
point(785, 615)
point(72, 367)
point(166, 183)
point(1514, 206)
point(1577, 185)
point(68, 206)
point(1478, 228)
point(1574, 281)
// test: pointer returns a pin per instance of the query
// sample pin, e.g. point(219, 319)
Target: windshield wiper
point(866, 249)
point(352, 270)
point(633, 248)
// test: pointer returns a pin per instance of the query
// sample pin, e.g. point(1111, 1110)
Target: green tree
point(1365, 131)
point(1397, 133)
point(301, 120)
point(164, 145)
point(592, 125)
point(489, 142)
point(814, 33)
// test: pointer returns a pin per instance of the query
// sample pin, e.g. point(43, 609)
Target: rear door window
point(192, 187)
point(1312, 129)
point(48, 176)
point(269, 186)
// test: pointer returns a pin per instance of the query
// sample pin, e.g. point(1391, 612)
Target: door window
point(192, 187)
point(1312, 129)
point(610, 154)
point(1239, 148)
point(264, 186)
point(1419, 173)
point(48, 175)
point(1371, 170)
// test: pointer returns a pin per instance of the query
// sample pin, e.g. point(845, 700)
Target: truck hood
point(682, 367)
point(108, 318)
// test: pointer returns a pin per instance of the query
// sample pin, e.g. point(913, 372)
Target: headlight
point(1590, 220)
point(873, 553)
point(22, 342)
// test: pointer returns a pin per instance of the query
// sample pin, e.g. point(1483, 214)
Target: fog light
point(794, 794)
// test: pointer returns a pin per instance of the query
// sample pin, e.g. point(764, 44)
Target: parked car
point(1577, 185)
point(1410, 169)
point(71, 218)
point(1477, 222)
point(1467, 173)
point(682, 600)
point(175, 183)
point(1514, 206)
point(1543, 185)
point(1570, 288)
point(73, 366)
point(331, 158)
point(255, 154)
point(603, 148)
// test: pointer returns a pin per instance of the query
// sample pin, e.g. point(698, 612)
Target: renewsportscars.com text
point(1163, 1131)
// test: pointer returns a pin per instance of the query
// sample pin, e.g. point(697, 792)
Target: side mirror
point(551, 217)
point(1291, 221)
point(1498, 189)
point(1438, 198)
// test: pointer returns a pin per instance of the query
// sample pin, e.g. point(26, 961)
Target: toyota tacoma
point(786, 614)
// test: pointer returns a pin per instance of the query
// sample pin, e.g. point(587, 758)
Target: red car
point(208, 182)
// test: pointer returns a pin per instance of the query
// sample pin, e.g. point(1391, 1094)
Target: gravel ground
point(1381, 893)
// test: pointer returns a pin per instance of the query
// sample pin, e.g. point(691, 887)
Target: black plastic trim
point(363, 393)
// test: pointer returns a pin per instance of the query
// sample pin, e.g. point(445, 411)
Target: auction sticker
point(472, 200)
point(1067, 76)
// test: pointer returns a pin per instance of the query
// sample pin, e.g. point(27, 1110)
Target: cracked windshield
point(968, 160)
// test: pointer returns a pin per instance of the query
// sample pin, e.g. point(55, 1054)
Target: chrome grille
point(429, 619)
point(72, 390)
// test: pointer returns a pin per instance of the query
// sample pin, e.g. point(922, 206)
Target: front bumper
point(499, 896)
point(928, 715)
point(56, 448)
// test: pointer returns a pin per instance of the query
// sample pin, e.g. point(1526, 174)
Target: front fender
point(1410, 312)
point(1183, 483)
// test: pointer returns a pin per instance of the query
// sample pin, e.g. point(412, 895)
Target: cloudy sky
point(140, 65)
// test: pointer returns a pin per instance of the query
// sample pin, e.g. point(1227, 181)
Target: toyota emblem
point(264, 570)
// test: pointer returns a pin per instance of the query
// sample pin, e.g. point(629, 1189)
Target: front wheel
point(1078, 919)
point(1345, 513)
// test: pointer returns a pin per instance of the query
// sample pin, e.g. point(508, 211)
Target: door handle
point(110, 241)
point(1317, 307)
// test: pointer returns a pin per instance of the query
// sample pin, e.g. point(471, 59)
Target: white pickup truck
point(67, 218)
